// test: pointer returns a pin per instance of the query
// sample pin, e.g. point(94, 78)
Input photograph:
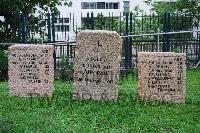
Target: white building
point(76, 14)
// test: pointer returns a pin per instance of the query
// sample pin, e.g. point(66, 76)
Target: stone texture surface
point(97, 65)
point(31, 70)
point(162, 76)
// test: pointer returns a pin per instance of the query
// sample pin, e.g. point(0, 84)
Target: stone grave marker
point(162, 76)
point(97, 65)
point(31, 70)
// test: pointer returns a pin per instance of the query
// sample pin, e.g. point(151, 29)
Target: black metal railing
point(126, 24)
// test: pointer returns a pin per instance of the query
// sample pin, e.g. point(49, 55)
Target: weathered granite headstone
point(162, 76)
point(31, 70)
point(97, 65)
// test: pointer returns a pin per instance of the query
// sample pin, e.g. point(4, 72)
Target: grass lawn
point(127, 114)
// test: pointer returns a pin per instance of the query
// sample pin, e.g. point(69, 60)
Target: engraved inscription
point(97, 64)
point(31, 70)
point(162, 76)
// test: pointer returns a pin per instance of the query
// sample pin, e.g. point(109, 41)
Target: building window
point(61, 20)
point(101, 5)
point(55, 20)
point(93, 5)
point(126, 3)
point(85, 5)
point(126, 6)
point(66, 20)
point(61, 28)
point(67, 27)
point(112, 5)
point(115, 5)
point(88, 5)
point(57, 28)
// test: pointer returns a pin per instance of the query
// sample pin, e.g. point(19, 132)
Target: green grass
point(127, 114)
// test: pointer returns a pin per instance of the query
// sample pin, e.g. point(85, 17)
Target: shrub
point(66, 66)
point(3, 65)
point(3, 61)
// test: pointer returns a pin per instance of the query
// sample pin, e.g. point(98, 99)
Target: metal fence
point(131, 26)
point(64, 55)
point(156, 43)
point(65, 51)
point(49, 28)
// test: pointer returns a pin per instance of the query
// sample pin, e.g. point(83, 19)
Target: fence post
point(198, 36)
point(120, 26)
point(88, 21)
point(126, 45)
point(23, 28)
point(49, 27)
point(92, 21)
point(130, 40)
point(54, 57)
point(158, 40)
point(101, 21)
point(166, 28)
point(53, 27)
point(109, 21)
point(112, 23)
point(73, 19)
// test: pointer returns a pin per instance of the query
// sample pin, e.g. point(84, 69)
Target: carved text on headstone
point(97, 65)
point(162, 76)
point(31, 70)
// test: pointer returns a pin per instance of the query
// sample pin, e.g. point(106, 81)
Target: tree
point(186, 11)
point(10, 8)
point(107, 23)
point(191, 7)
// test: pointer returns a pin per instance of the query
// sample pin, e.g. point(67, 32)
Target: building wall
point(77, 13)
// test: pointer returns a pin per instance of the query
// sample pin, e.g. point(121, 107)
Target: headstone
point(31, 70)
point(97, 65)
point(162, 76)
